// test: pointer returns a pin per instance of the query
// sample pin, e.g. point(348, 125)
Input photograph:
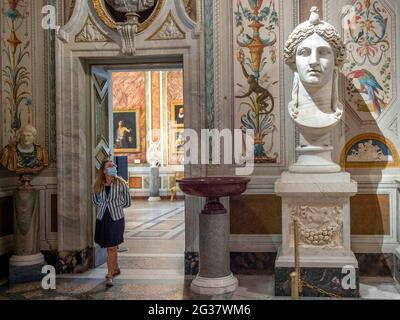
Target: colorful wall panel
point(16, 63)
point(257, 75)
point(369, 35)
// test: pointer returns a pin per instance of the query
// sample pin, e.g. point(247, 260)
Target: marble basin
point(214, 187)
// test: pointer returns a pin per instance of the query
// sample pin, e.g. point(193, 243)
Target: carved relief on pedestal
point(91, 33)
point(168, 31)
point(319, 225)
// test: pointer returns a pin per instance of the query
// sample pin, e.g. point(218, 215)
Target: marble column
point(215, 276)
point(27, 262)
point(154, 184)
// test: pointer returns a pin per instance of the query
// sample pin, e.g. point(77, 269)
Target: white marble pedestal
point(320, 202)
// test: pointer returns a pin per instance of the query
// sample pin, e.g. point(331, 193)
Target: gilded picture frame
point(126, 131)
point(107, 19)
point(177, 114)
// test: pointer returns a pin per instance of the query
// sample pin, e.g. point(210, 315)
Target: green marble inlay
point(52, 88)
point(209, 61)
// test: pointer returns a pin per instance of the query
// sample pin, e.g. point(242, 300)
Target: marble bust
point(315, 52)
point(131, 5)
point(24, 156)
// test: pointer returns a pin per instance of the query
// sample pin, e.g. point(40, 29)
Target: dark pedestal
point(24, 274)
point(327, 280)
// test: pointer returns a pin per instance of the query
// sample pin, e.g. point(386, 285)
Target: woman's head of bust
point(27, 135)
point(312, 28)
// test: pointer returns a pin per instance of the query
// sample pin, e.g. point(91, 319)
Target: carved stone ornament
point(129, 29)
point(128, 32)
point(168, 31)
point(319, 225)
point(91, 33)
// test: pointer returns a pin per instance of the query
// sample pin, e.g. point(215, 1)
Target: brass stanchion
point(297, 287)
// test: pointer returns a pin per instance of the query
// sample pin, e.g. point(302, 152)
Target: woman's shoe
point(109, 281)
point(117, 272)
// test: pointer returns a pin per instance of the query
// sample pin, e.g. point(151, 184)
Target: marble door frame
point(74, 150)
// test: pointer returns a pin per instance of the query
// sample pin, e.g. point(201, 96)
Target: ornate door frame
point(84, 39)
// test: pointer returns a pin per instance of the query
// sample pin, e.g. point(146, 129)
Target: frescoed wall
point(16, 53)
point(369, 70)
point(256, 75)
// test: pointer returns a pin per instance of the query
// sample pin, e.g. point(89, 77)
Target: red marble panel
point(155, 104)
point(174, 93)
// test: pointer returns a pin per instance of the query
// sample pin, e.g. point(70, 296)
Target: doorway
point(139, 119)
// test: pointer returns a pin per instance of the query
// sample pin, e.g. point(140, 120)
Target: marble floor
point(153, 268)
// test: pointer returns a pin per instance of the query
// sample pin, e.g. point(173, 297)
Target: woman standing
point(111, 195)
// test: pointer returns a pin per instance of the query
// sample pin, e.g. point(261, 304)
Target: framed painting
point(126, 131)
point(178, 114)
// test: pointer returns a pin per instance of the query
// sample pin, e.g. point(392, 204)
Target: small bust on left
point(24, 156)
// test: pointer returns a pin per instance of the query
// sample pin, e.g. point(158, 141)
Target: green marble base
point(324, 282)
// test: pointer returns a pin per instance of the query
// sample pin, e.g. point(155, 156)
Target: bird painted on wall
point(369, 85)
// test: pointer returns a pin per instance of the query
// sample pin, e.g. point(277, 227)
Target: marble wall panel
point(370, 214)
point(256, 214)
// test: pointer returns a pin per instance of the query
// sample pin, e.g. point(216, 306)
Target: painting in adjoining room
point(178, 114)
point(369, 150)
point(126, 131)
point(256, 75)
point(368, 35)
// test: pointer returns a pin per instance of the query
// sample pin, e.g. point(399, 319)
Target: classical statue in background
point(24, 156)
point(315, 52)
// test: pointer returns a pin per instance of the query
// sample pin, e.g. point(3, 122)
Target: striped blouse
point(118, 199)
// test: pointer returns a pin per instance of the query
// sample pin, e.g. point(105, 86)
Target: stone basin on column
point(215, 276)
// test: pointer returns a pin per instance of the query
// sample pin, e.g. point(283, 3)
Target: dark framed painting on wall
point(178, 114)
point(126, 131)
